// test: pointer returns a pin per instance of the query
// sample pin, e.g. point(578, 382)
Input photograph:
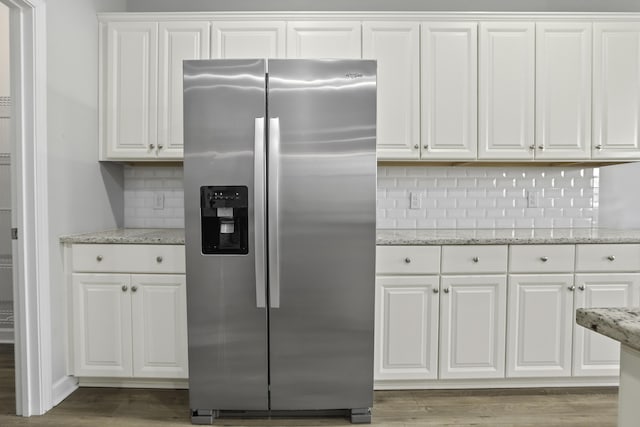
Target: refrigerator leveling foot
point(203, 416)
point(361, 416)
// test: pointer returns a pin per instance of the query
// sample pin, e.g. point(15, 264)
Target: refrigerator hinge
point(203, 416)
point(14, 234)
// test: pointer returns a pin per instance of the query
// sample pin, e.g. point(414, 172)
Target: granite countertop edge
point(620, 323)
point(388, 237)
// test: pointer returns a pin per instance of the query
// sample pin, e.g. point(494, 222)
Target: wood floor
point(98, 407)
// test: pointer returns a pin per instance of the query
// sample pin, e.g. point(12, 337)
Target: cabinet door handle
point(572, 288)
point(544, 258)
point(425, 146)
point(582, 287)
point(158, 259)
point(134, 288)
point(124, 288)
point(598, 147)
point(541, 147)
point(436, 290)
point(532, 147)
point(151, 146)
point(160, 146)
point(475, 259)
point(446, 290)
point(407, 260)
point(99, 258)
point(415, 147)
point(611, 258)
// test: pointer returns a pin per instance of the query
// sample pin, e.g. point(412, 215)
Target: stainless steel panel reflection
point(227, 332)
point(321, 348)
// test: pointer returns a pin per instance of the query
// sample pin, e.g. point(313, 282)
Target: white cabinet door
point(540, 322)
point(593, 353)
point(406, 339)
point(242, 39)
point(324, 39)
point(396, 47)
point(563, 91)
point(616, 90)
point(506, 100)
point(177, 41)
point(131, 90)
point(472, 326)
point(449, 90)
point(159, 322)
point(101, 325)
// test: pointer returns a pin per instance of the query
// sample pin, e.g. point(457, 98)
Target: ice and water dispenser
point(224, 219)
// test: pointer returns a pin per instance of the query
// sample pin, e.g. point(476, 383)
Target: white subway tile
point(524, 223)
point(446, 223)
point(385, 223)
point(446, 182)
point(466, 223)
point(406, 223)
point(476, 213)
point(467, 183)
point(467, 203)
point(505, 223)
point(543, 222)
point(446, 203)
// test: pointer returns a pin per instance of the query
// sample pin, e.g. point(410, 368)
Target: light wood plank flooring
point(97, 407)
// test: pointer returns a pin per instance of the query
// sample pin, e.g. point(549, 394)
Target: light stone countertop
point(518, 236)
point(621, 324)
point(135, 236)
point(175, 236)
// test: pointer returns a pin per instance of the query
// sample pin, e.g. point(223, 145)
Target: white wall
point(428, 5)
point(4, 50)
point(619, 196)
point(84, 195)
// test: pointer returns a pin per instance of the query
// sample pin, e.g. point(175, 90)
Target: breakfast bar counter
point(621, 324)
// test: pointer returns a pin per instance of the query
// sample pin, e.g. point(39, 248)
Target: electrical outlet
point(414, 200)
point(533, 199)
point(158, 200)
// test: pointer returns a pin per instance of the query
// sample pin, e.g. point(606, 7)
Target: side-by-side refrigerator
point(280, 189)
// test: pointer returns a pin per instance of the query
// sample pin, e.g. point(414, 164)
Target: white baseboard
point(496, 383)
point(6, 336)
point(133, 382)
point(63, 388)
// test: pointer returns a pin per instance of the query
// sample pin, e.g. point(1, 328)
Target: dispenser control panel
point(224, 212)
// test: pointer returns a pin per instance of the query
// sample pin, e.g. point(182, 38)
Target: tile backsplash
point(443, 197)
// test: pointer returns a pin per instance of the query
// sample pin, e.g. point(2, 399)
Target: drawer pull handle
point(124, 288)
point(158, 259)
point(572, 288)
point(99, 258)
point(415, 147)
point(134, 288)
point(446, 290)
point(582, 287)
point(407, 260)
point(544, 258)
point(435, 290)
point(611, 258)
point(476, 259)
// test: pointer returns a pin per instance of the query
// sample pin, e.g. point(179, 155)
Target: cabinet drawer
point(128, 258)
point(541, 258)
point(407, 259)
point(608, 257)
point(474, 259)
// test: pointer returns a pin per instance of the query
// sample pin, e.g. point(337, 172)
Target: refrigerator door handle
point(259, 212)
point(274, 185)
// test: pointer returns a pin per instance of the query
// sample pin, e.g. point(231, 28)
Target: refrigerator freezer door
point(321, 333)
point(228, 364)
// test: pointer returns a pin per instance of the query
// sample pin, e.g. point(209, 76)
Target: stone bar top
point(621, 324)
point(175, 236)
point(515, 236)
point(136, 236)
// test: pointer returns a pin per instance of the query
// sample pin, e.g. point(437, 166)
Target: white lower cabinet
point(593, 353)
point(129, 325)
point(472, 326)
point(540, 322)
point(406, 340)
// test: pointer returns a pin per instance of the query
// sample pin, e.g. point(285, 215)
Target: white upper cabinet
point(130, 127)
point(449, 75)
point(616, 90)
point(178, 41)
point(396, 47)
point(143, 87)
point(563, 91)
point(248, 39)
point(507, 88)
point(324, 39)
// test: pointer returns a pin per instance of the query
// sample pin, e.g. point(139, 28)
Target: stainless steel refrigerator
point(280, 189)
